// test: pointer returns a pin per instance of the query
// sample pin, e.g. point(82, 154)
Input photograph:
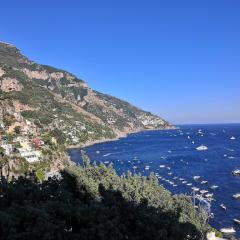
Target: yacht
point(236, 172)
point(195, 189)
point(237, 221)
point(209, 195)
point(204, 191)
point(196, 177)
point(214, 187)
point(232, 138)
point(229, 230)
point(236, 196)
point(202, 148)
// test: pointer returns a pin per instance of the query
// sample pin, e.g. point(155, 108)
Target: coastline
point(119, 136)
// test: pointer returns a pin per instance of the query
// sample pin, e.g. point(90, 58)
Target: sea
point(173, 156)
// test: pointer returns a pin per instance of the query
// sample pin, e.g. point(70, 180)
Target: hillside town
point(24, 149)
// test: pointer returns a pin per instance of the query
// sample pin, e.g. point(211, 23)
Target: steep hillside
point(51, 99)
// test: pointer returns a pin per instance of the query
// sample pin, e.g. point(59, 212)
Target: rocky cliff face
point(53, 98)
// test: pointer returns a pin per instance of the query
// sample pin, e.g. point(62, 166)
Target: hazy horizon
point(179, 60)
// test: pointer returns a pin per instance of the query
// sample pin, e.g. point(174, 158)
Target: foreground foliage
point(93, 202)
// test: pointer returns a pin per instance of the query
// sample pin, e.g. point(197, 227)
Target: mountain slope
point(51, 99)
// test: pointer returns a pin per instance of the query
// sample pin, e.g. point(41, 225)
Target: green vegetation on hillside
point(92, 202)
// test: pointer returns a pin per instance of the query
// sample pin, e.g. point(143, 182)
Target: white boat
point(236, 196)
point(184, 182)
point(229, 230)
point(204, 182)
point(223, 207)
point(189, 184)
point(204, 191)
point(196, 177)
point(232, 138)
point(237, 221)
point(209, 195)
point(147, 167)
point(202, 148)
point(214, 187)
point(195, 189)
point(162, 166)
point(236, 172)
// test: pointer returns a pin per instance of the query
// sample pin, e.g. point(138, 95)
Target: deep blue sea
point(144, 152)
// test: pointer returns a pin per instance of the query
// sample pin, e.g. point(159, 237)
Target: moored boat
point(228, 230)
point(202, 148)
point(236, 172)
point(236, 196)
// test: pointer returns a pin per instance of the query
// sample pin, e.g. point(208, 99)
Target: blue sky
point(178, 59)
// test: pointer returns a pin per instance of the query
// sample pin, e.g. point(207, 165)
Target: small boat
point(189, 184)
point(237, 221)
point(223, 207)
point(236, 172)
point(202, 148)
point(147, 167)
point(214, 187)
point(184, 182)
point(170, 173)
point(162, 166)
point(232, 138)
point(204, 191)
point(209, 195)
point(135, 167)
point(204, 182)
point(236, 196)
point(196, 177)
point(195, 189)
point(229, 230)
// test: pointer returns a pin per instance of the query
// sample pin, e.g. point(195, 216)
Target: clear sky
point(179, 59)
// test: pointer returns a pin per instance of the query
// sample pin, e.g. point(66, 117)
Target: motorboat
point(202, 148)
point(237, 221)
point(204, 191)
point(223, 206)
point(236, 172)
point(196, 177)
point(236, 196)
point(162, 166)
point(232, 138)
point(228, 230)
point(214, 187)
point(195, 189)
point(204, 182)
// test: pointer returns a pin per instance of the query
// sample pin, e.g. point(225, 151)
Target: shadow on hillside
point(67, 209)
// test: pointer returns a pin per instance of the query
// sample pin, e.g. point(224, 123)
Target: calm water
point(176, 149)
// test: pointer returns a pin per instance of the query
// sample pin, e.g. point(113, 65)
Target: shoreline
point(118, 137)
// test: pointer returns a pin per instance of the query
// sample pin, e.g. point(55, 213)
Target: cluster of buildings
point(22, 144)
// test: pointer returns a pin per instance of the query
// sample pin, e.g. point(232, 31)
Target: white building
point(8, 148)
point(30, 155)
